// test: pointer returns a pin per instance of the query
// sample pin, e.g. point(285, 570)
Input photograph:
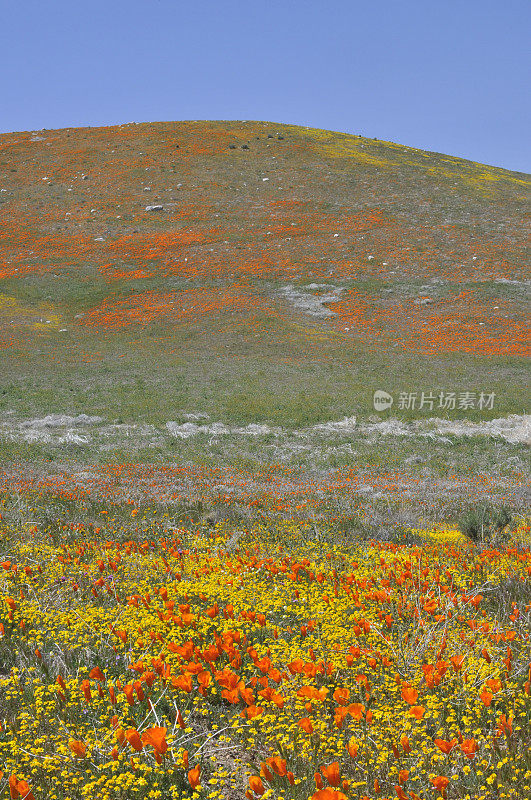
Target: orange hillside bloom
point(19, 789)
point(156, 737)
point(417, 712)
point(122, 635)
point(331, 773)
point(486, 697)
point(410, 695)
point(440, 783)
point(278, 765)
point(328, 794)
point(213, 611)
point(232, 695)
point(469, 747)
point(134, 740)
point(255, 783)
point(120, 736)
point(400, 793)
point(356, 710)
point(193, 776)
point(341, 696)
point(129, 693)
point(306, 725)
point(182, 682)
point(457, 662)
point(252, 711)
point(79, 749)
point(85, 688)
point(340, 714)
point(505, 726)
point(203, 678)
point(446, 746)
point(296, 667)
point(96, 674)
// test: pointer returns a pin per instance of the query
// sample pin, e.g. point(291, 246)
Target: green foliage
point(483, 523)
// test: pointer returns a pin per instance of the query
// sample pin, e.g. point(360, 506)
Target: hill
point(222, 276)
point(226, 571)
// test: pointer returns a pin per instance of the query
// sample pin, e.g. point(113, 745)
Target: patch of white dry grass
point(85, 430)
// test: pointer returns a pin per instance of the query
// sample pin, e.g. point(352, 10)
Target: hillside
point(226, 572)
point(223, 275)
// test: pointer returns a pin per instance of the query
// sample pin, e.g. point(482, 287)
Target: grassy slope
point(409, 224)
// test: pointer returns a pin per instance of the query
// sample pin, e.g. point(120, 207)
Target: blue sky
point(443, 75)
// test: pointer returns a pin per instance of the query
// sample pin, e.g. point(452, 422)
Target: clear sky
point(443, 75)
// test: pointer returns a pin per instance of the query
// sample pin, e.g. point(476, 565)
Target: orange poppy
point(417, 712)
point(256, 785)
point(341, 696)
point(156, 737)
point(96, 674)
point(445, 746)
point(278, 765)
point(353, 748)
point(134, 740)
point(486, 697)
point(85, 688)
point(78, 748)
point(469, 747)
point(194, 776)
point(410, 695)
point(182, 682)
point(306, 725)
point(129, 693)
point(19, 789)
point(331, 773)
point(440, 782)
point(356, 710)
point(328, 794)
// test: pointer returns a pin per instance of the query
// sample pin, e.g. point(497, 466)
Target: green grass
point(238, 378)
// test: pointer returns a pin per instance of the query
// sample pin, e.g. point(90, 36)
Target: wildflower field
point(222, 573)
point(146, 657)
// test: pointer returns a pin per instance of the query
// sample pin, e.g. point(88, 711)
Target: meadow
point(146, 652)
point(223, 572)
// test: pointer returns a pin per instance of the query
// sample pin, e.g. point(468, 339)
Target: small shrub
point(484, 523)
